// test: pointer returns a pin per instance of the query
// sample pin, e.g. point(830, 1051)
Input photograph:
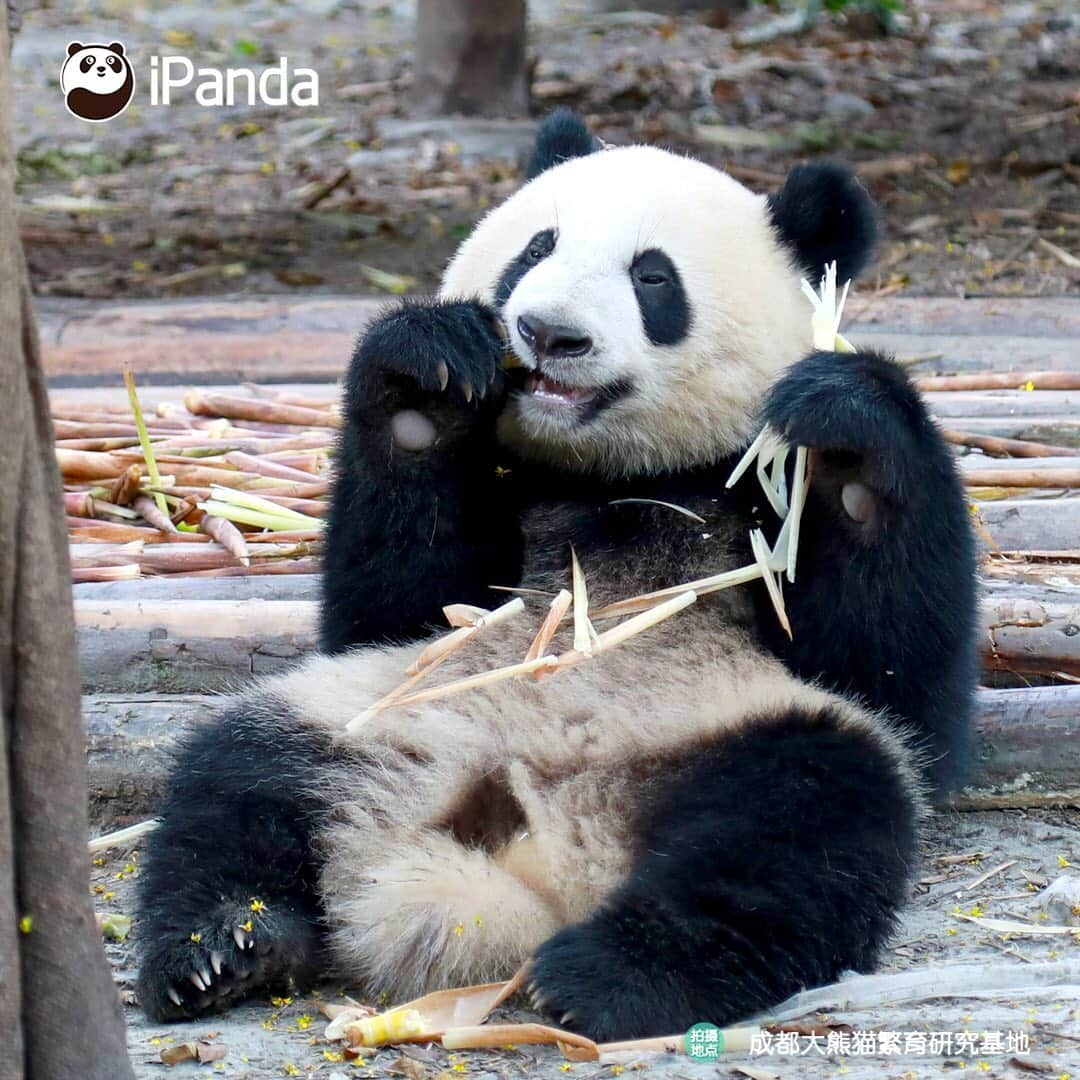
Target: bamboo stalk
point(1002, 380)
point(266, 467)
point(760, 548)
point(228, 536)
point(85, 530)
point(201, 403)
point(703, 586)
point(79, 504)
point(85, 575)
point(144, 438)
point(151, 512)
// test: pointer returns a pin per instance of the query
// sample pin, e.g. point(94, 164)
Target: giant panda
point(686, 828)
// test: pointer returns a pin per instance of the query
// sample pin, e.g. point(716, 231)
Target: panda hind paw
point(235, 954)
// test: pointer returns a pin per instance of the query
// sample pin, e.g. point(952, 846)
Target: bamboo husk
point(121, 837)
point(453, 641)
point(201, 403)
point(582, 637)
point(126, 486)
point(1001, 380)
point(436, 1013)
point(486, 1036)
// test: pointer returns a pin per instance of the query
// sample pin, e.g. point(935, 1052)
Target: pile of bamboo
point(212, 486)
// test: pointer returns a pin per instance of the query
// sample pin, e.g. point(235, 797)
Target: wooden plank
point(993, 403)
point(1031, 734)
point(1018, 524)
point(283, 338)
point(268, 339)
point(1049, 317)
point(198, 644)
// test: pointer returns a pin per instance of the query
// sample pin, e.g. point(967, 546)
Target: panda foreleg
point(228, 884)
point(774, 860)
point(883, 603)
point(418, 518)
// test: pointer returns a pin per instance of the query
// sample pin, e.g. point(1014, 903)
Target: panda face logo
point(97, 81)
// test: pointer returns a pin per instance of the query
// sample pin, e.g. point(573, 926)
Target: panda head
point(651, 298)
point(97, 80)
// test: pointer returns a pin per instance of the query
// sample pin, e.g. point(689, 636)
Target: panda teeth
point(542, 387)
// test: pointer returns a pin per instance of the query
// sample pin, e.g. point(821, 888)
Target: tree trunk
point(470, 58)
point(59, 1009)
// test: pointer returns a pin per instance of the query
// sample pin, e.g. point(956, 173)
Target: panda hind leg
point(771, 861)
point(227, 889)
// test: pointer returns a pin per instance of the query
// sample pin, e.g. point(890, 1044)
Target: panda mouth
point(548, 390)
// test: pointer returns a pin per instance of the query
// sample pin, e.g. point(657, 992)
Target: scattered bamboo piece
point(122, 836)
point(1002, 447)
point(453, 641)
point(144, 437)
point(558, 609)
point(152, 514)
point(201, 403)
point(582, 637)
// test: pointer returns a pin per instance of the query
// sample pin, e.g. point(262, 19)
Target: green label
point(704, 1042)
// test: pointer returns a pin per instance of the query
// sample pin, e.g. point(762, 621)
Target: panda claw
point(196, 978)
point(466, 390)
point(444, 375)
point(215, 962)
point(174, 997)
point(240, 938)
point(204, 974)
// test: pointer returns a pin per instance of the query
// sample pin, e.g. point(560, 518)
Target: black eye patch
point(535, 251)
point(665, 311)
point(87, 62)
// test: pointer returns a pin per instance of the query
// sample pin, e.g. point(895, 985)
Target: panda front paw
point(234, 952)
point(865, 422)
point(602, 980)
point(441, 358)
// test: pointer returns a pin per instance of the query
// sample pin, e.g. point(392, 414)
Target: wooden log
point(1024, 628)
point(1028, 477)
point(1006, 448)
point(1002, 380)
point(1024, 734)
point(1047, 429)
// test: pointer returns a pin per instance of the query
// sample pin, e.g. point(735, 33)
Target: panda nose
point(101, 70)
point(550, 342)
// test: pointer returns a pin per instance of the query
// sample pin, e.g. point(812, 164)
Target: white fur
point(692, 402)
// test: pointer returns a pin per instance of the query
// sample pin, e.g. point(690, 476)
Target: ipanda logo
point(275, 85)
point(97, 81)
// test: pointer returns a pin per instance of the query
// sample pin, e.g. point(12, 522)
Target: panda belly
point(468, 830)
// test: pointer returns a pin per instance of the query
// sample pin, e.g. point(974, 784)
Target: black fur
point(745, 889)
point(883, 610)
point(665, 309)
point(823, 213)
point(407, 530)
point(237, 827)
point(535, 251)
point(562, 135)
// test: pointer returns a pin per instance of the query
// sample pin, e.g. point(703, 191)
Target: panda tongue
point(543, 387)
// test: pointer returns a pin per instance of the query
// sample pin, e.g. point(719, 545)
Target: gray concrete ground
point(274, 1038)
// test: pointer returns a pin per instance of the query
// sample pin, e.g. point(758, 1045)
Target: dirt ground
point(966, 127)
point(1024, 852)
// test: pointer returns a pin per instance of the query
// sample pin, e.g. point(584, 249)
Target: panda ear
point(562, 135)
point(822, 214)
point(74, 47)
point(116, 47)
